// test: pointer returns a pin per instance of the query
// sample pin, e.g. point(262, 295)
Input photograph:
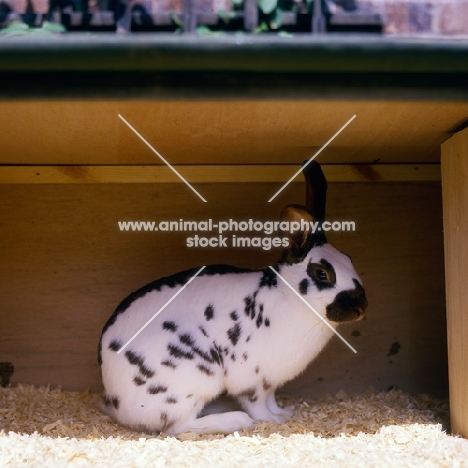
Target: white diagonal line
point(160, 310)
point(162, 159)
point(313, 310)
point(312, 158)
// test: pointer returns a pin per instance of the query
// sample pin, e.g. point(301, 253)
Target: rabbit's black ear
point(316, 189)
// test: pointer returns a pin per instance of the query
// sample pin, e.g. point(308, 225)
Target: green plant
point(273, 11)
point(18, 28)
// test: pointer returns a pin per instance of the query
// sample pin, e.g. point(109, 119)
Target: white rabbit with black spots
point(235, 331)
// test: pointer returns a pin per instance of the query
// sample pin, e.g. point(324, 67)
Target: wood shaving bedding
point(50, 427)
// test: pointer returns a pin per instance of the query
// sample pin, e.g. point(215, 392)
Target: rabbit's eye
point(321, 275)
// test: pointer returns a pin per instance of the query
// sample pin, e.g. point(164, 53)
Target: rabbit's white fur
point(212, 339)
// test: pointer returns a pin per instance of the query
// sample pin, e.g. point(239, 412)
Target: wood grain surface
point(66, 266)
point(455, 204)
point(80, 132)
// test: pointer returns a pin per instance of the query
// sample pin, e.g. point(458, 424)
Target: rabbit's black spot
point(216, 354)
point(190, 395)
point(99, 359)
point(303, 286)
point(115, 345)
point(111, 402)
point(171, 401)
point(223, 270)
point(203, 331)
point(266, 385)
point(156, 389)
point(204, 369)
point(233, 357)
point(348, 305)
point(209, 312)
point(168, 363)
point(165, 423)
point(146, 371)
point(133, 358)
point(170, 326)
point(248, 338)
point(250, 304)
point(179, 353)
point(245, 356)
point(267, 322)
point(268, 279)
point(259, 320)
point(186, 339)
point(205, 356)
point(136, 360)
point(249, 393)
point(139, 381)
point(234, 315)
point(257, 369)
point(234, 334)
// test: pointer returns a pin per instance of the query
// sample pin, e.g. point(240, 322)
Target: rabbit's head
point(322, 274)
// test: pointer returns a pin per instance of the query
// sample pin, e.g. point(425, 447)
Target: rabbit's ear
point(299, 239)
point(316, 189)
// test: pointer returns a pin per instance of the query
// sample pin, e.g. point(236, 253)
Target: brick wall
point(402, 17)
point(426, 17)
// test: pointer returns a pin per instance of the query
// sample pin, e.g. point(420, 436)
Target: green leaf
point(226, 16)
point(206, 31)
point(53, 27)
point(262, 27)
point(176, 19)
point(15, 28)
point(18, 28)
point(267, 6)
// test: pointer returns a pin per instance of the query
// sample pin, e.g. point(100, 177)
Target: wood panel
point(213, 174)
point(455, 203)
point(81, 132)
point(66, 265)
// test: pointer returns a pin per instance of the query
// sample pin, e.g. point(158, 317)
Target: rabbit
point(232, 331)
